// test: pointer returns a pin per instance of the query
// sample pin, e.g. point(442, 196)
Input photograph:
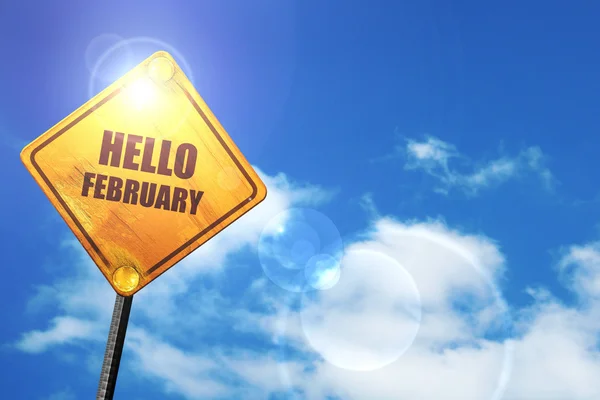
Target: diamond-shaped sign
point(143, 174)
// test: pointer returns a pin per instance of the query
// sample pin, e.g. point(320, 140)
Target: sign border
point(196, 237)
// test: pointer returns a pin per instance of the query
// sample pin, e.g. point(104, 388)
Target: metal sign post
point(114, 348)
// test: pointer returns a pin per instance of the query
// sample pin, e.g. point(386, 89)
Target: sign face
point(143, 174)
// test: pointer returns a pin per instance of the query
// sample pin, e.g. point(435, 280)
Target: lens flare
point(300, 249)
point(371, 316)
point(141, 92)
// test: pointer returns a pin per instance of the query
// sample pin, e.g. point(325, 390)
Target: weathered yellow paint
point(154, 100)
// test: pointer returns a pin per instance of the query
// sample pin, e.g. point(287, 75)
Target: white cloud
point(369, 319)
point(554, 355)
point(432, 152)
point(368, 204)
point(212, 374)
point(175, 304)
point(435, 157)
point(63, 330)
point(461, 349)
point(180, 372)
point(580, 267)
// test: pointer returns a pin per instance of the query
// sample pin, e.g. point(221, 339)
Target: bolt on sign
point(143, 174)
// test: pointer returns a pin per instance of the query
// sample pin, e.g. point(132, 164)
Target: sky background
point(451, 146)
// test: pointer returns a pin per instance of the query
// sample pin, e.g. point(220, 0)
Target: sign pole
point(114, 348)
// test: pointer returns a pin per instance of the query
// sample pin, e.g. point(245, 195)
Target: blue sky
point(451, 146)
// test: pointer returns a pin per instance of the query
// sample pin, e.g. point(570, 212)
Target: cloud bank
point(417, 313)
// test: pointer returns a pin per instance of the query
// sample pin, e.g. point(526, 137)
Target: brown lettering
point(163, 198)
point(148, 194)
point(179, 197)
point(87, 183)
point(100, 185)
point(130, 191)
point(131, 151)
point(163, 159)
point(190, 161)
point(113, 190)
point(147, 158)
point(111, 148)
point(195, 199)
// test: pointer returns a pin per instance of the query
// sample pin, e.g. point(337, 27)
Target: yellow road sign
point(143, 174)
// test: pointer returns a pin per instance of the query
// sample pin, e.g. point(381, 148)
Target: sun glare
point(141, 92)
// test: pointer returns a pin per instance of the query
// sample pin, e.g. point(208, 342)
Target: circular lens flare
point(322, 272)
point(425, 254)
point(297, 249)
point(107, 68)
point(369, 318)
